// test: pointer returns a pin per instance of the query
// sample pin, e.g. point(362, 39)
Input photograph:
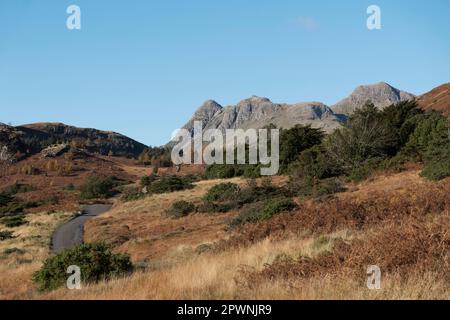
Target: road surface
point(71, 233)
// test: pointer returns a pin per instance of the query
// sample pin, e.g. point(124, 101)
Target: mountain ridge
point(257, 112)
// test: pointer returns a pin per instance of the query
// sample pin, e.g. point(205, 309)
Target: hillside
point(252, 262)
point(25, 140)
point(437, 99)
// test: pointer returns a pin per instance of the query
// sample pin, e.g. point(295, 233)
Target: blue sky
point(142, 68)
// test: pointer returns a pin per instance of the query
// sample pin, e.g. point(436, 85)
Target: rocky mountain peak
point(380, 94)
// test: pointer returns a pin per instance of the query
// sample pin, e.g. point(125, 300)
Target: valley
point(368, 192)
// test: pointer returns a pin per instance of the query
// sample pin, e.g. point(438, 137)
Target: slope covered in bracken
point(437, 99)
point(319, 251)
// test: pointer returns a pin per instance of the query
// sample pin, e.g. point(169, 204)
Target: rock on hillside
point(437, 99)
point(380, 94)
point(33, 138)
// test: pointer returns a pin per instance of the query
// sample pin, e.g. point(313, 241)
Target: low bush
point(5, 199)
point(364, 170)
point(146, 181)
point(5, 235)
point(263, 210)
point(70, 187)
point(222, 192)
point(436, 170)
point(180, 209)
point(211, 207)
point(131, 194)
point(9, 251)
point(221, 171)
point(170, 184)
point(96, 262)
point(309, 187)
point(13, 221)
point(18, 188)
point(98, 187)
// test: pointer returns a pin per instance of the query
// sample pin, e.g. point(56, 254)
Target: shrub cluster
point(96, 262)
point(13, 221)
point(98, 188)
point(180, 209)
point(263, 210)
point(5, 235)
point(373, 140)
point(170, 184)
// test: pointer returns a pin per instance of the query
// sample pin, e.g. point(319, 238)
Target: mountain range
point(257, 112)
point(254, 112)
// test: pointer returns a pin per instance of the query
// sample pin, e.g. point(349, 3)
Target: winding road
point(71, 233)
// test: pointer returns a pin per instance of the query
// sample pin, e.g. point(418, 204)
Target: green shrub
point(436, 170)
point(98, 187)
point(314, 163)
point(170, 184)
point(131, 194)
point(263, 210)
point(70, 187)
point(13, 221)
point(364, 170)
point(96, 262)
point(220, 171)
point(9, 251)
point(203, 248)
point(5, 235)
point(180, 209)
point(222, 192)
point(18, 188)
point(430, 143)
point(277, 205)
point(146, 181)
point(367, 134)
point(295, 140)
point(5, 199)
point(211, 207)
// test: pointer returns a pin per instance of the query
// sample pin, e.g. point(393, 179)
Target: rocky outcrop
point(6, 156)
point(257, 112)
point(92, 140)
point(11, 146)
point(55, 150)
point(380, 94)
point(53, 139)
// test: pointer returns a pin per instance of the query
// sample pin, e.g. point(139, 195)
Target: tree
point(366, 135)
point(295, 140)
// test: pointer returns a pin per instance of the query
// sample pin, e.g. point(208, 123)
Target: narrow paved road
point(71, 233)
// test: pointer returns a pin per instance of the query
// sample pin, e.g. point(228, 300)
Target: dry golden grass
point(206, 276)
point(141, 229)
point(213, 276)
point(32, 242)
point(179, 272)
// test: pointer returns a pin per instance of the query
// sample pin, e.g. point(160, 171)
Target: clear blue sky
point(142, 68)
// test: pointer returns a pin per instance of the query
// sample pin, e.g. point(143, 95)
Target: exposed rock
point(54, 150)
point(6, 155)
point(380, 94)
point(257, 112)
